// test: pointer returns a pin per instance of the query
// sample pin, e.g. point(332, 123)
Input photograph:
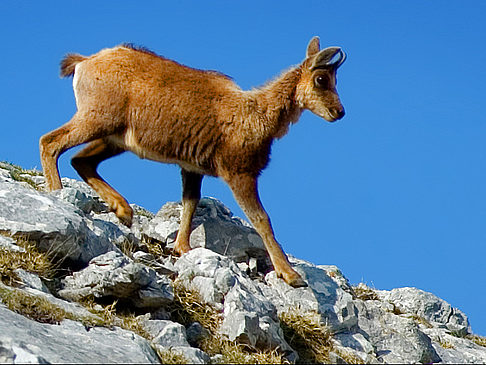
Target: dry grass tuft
point(171, 357)
point(31, 260)
point(364, 292)
point(478, 340)
point(446, 344)
point(37, 308)
point(421, 320)
point(40, 309)
point(147, 244)
point(111, 316)
point(128, 247)
point(234, 353)
point(17, 173)
point(306, 334)
point(154, 246)
point(188, 308)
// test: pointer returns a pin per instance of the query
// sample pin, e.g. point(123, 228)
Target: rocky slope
point(76, 286)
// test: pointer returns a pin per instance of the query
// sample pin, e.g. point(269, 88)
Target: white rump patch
point(75, 82)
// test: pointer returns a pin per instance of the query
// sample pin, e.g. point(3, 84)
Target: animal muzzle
point(336, 113)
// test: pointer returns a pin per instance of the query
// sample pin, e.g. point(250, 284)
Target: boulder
point(31, 280)
point(214, 228)
point(171, 336)
point(25, 341)
point(428, 306)
point(190, 354)
point(454, 350)
point(115, 275)
point(58, 227)
point(395, 338)
point(81, 196)
point(328, 293)
point(248, 317)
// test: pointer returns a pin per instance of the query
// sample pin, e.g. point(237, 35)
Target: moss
point(307, 335)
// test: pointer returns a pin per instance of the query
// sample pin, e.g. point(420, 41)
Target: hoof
point(127, 221)
point(125, 215)
point(297, 282)
point(179, 252)
point(294, 280)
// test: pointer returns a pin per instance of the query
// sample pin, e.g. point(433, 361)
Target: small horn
point(327, 58)
point(340, 60)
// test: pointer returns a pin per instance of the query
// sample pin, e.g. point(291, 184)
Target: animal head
point(316, 89)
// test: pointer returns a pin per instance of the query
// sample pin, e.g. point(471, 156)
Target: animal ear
point(329, 57)
point(313, 47)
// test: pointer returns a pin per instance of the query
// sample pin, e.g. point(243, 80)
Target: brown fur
point(131, 99)
point(69, 63)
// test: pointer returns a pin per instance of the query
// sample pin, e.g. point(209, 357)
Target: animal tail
point(69, 62)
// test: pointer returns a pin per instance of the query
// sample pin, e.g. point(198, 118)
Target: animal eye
point(321, 81)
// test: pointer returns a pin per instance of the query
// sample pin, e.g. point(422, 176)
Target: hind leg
point(86, 162)
point(82, 128)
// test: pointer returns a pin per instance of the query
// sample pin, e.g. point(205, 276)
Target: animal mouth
point(333, 115)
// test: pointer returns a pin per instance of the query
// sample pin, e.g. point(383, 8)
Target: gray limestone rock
point(25, 341)
point(59, 227)
point(172, 334)
point(7, 243)
point(328, 293)
point(403, 325)
point(248, 316)
point(81, 196)
point(396, 339)
point(195, 332)
point(356, 346)
point(429, 307)
point(31, 280)
point(191, 354)
point(455, 350)
point(214, 228)
point(115, 275)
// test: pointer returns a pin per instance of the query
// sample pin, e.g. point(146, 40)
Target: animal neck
point(276, 101)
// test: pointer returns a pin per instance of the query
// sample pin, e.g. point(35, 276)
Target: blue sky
point(394, 194)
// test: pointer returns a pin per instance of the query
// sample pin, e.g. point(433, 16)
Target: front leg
point(245, 190)
point(191, 193)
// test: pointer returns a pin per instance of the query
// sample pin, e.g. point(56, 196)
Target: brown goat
point(130, 99)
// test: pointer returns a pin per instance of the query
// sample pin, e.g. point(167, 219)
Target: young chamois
point(130, 99)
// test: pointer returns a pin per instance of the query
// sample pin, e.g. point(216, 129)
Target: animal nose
point(337, 113)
